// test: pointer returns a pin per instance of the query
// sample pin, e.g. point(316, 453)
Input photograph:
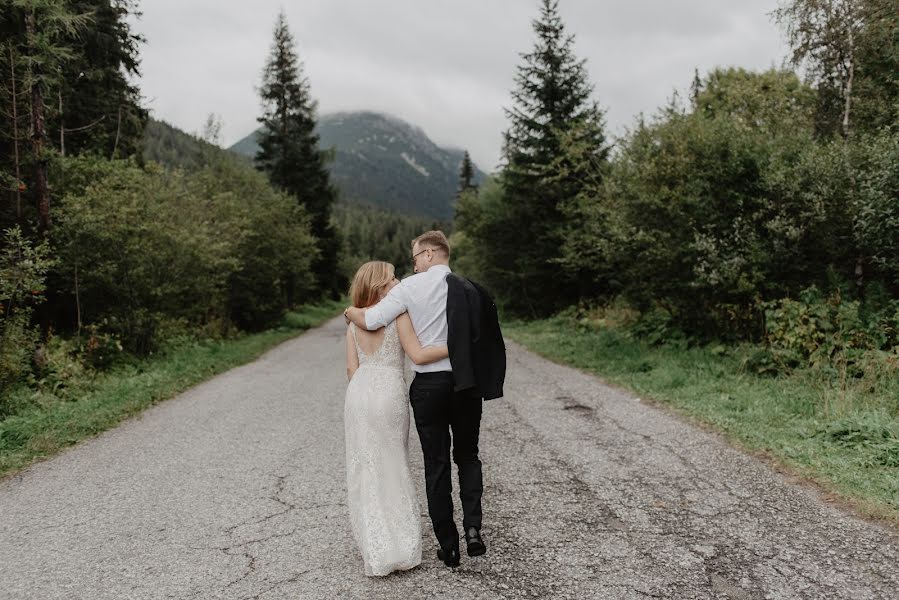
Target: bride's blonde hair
point(369, 280)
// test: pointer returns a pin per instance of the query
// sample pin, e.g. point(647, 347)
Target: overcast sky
point(447, 67)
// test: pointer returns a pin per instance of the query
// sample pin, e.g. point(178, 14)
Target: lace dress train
point(382, 502)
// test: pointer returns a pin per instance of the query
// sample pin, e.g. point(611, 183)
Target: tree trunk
point(62, 128)
point(77, 301)
point(38, 137)
point(848, 89)
point(118, 131)
point(847, 105)
point(41, 188)
point(15, 132)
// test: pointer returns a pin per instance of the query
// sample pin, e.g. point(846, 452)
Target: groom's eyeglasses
point(416, 254)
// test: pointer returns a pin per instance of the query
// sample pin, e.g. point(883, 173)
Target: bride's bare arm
point(411, 345)
point(352, 359)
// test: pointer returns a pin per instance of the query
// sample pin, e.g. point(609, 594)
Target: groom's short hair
point(433, 239)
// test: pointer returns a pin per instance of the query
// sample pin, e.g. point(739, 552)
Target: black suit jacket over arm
point(476, 348)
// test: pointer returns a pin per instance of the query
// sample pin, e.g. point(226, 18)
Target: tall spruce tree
point(553, 113)
point(289, 152)
point(466, 175)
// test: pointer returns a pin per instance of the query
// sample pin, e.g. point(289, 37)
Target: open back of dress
point(383, 506)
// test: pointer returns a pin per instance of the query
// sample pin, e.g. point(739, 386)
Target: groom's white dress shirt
point(423, 296)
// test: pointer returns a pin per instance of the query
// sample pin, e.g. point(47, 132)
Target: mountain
point(385, 162)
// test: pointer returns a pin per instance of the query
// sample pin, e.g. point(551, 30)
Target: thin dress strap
point(355, 340)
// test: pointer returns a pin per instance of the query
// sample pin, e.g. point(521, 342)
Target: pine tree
point(289, 152)
point(96, 108)
point(66, 65)
point(466, 175)
point(553, 113)
point(38, 36)
point(695, 89)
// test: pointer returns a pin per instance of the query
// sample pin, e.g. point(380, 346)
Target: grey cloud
point(447, 67)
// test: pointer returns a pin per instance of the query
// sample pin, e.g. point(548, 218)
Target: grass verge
point(847, 441)
point(47, 424)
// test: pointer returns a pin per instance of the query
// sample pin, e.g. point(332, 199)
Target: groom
point(438, 407)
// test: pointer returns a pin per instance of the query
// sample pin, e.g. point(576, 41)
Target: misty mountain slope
point(384, 162)
point(171, 147)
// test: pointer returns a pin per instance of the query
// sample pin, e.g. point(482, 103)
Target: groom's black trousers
point(438, 411)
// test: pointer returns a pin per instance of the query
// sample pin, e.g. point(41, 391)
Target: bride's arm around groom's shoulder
point(381, 314)
point(412, 345)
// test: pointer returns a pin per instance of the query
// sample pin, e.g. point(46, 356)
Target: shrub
point(826, 332)
point(23, 268)
point(140, 246)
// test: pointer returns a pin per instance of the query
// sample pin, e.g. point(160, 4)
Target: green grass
point(46, 423)
point(847, 441)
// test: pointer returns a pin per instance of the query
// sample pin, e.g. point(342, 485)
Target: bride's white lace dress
point(382, 502)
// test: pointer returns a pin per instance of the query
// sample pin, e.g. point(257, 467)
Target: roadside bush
point(271, 245)
point(101, 347)
point(875, 222)
point(65, 373)
point(140, 247)
point(684, 218)
point(614, 315)
point(833, 336)
point(23, 268)
point(134, 247)
point(838, 212)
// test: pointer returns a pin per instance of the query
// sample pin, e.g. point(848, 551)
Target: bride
point(384, 511)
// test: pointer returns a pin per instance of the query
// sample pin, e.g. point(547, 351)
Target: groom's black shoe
point(476, 546)
point(449, 557)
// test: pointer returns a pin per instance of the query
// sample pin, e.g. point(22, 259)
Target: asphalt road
point(236, 489)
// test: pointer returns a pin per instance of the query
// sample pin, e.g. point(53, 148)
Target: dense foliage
point(65, 72)
point(138, 246)
point(376, 234)
point(169, 146)
point(23, 268)
point(850, 51)
point(98, 105)
point(105, 254)
point(715, 217)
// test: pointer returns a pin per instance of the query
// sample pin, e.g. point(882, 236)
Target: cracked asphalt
point(236, 489)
